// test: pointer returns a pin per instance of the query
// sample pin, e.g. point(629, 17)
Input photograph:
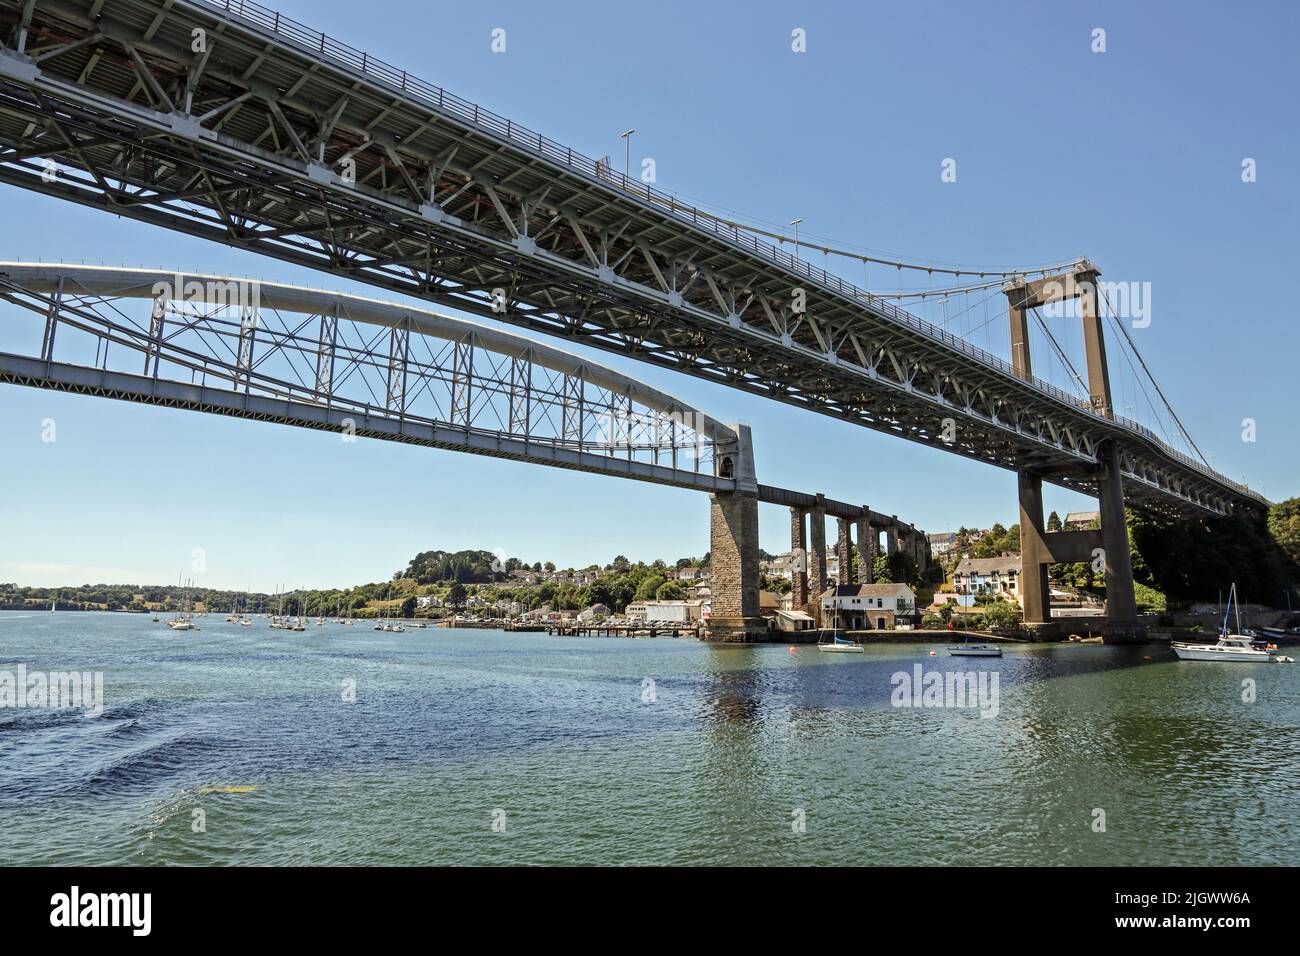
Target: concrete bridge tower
point(1039, 547)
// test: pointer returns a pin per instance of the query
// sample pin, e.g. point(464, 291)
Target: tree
point(998, 541)
point(550, 566)
point(1002, 615)
point(671, 591)
point(896, 568)
point(1196, 558)
point(1053, 522)
point(408, 607)
point(456, 594)
point(1284, 526)
point(649, 587)
point(621, 563)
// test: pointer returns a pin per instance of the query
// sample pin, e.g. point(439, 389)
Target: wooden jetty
point(623, 630)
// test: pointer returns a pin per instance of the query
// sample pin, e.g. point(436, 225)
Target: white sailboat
point(969, 648)
point(184, 619)
point(837, 644)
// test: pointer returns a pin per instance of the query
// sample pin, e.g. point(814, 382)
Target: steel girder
point(276, 139)
point(324, 360)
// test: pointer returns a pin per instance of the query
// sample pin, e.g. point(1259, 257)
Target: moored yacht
point(837, 644)
point(974, 650)
point(1230, 647)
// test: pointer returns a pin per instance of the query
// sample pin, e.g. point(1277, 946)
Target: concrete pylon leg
point(1121, 605)
point(844, 552)
point(799, 558)
point(1035, 593)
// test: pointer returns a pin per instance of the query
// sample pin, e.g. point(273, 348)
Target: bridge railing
point(318, 42)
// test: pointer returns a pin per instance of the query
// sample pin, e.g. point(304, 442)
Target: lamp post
point(795, 223)
point(626, 137)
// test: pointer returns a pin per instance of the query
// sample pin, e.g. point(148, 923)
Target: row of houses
point(944, 543)
point(784, 566)
point(854, 607)
point(688, 573)
point(578, 578)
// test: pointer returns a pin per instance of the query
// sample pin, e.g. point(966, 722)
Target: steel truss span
point(360, 366)
point(227, 121)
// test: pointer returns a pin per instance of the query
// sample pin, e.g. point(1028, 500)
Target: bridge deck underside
point(464, 210)
point(124, 386)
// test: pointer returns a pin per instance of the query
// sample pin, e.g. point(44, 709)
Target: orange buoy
point(794, 650)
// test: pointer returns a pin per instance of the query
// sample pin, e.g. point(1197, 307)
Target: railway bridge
point(364, 367)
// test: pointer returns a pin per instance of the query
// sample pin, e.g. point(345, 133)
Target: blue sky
point(1131, 157)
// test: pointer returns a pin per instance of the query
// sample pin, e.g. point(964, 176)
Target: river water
point(480, 747)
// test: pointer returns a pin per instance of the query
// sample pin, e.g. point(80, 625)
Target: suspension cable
point(1060, 352)
point(1159, 391)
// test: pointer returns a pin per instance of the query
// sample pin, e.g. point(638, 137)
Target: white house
point(1080, 520)
point(594, 613)
point(864, 607)
point(995, 577)
point(942, 543)
point(676, 612)
point(781, 566)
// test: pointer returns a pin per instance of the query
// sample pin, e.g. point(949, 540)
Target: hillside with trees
point(466, 567)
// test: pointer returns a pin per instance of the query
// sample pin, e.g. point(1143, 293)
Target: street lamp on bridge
point(795, 223)
point(626, 137)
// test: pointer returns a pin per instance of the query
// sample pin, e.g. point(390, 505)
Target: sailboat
point(183, 621)
point(837, 644)
point(969, 648)
point(1235, 647)
point(54, 602)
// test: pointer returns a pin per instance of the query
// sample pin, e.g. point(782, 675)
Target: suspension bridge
point(225, 120)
